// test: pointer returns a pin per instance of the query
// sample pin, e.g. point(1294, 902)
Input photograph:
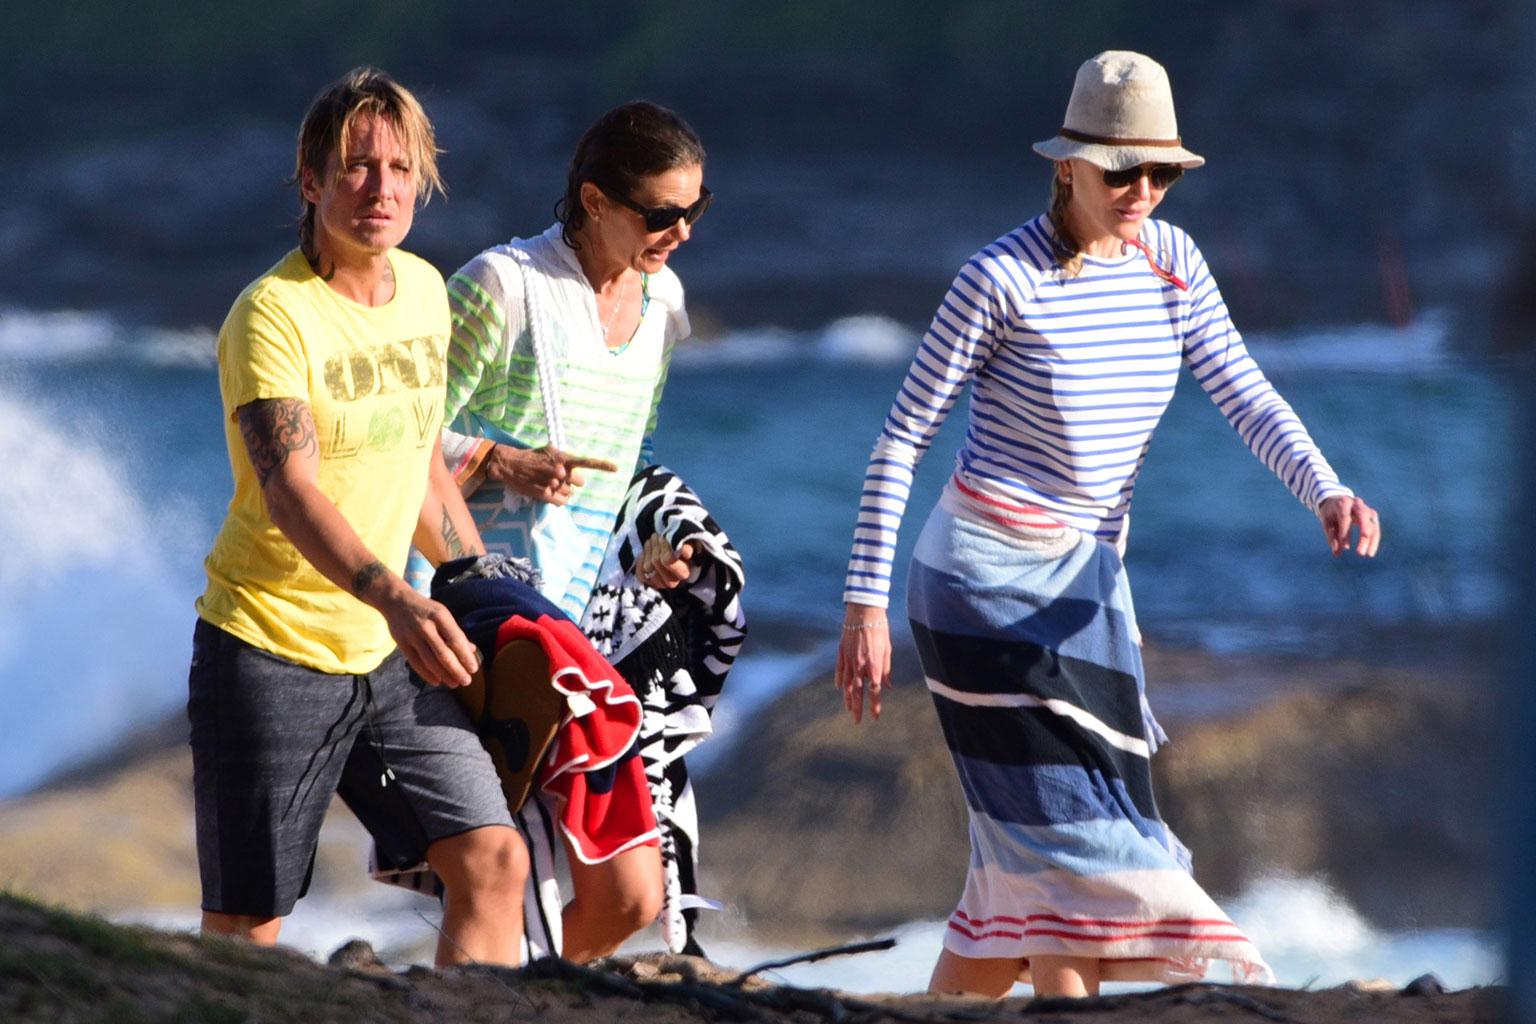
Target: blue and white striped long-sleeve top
point(1069, 378)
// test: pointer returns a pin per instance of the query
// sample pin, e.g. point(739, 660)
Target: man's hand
point(544, 474)
point(431, 641)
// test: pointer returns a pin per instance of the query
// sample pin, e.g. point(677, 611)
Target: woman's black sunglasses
point(660, 218)
point(1161, 175)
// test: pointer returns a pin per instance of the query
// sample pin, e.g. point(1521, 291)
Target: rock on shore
point(116, 834)
point(57, 967)
point(1373, 778)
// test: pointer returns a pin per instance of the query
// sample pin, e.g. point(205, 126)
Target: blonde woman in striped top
point(1070, 332)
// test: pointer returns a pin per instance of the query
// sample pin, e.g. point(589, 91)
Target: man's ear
point(309, 185)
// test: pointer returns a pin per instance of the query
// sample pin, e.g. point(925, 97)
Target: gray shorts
point(272, 741)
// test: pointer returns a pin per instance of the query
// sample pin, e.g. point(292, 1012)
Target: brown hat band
point(1106, 140)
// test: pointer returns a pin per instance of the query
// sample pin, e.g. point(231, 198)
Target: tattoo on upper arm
point(451, 538)
point(367, 576)
point(273, 429)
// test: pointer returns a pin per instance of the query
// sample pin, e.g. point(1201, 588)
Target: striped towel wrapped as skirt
point(1028, 641)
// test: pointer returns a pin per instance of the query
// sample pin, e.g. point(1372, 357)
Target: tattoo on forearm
point(273, 429)
point(367, 576)
point(451, 538)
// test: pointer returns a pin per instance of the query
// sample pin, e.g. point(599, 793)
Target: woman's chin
point(652, 260)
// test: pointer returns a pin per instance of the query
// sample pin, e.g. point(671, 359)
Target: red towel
point(601, 721)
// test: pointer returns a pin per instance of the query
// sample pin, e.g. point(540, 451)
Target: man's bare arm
point(280, 439)
point(445, 530)
point(275, 429)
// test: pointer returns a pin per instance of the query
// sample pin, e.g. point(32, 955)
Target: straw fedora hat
point(1120, 115)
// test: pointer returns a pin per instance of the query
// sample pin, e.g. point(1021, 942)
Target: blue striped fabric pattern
point(1069, 377)
point(1044, 713)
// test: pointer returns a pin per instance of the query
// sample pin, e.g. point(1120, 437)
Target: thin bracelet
point(867, 625)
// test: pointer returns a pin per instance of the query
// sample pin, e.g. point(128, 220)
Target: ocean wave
point(95, 596)
point(851, 339)
point(1422, 346)
point(59, 336)
point(1311, 935)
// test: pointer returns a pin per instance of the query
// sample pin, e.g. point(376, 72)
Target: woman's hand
point(1340, 515)
point(661, 567)
point(544, 474)
point(863, 659)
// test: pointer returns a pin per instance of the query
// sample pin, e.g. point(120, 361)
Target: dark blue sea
point(116, 479)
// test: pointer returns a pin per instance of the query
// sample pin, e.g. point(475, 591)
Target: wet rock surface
point(58, 967)
point(1374, 778)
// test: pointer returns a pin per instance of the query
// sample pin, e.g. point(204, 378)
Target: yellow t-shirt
point(373, 378)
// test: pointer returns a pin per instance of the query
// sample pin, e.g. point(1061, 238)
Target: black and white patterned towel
point(675, 648)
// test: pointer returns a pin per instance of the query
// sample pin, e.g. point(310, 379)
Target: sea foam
point(94, 630)
point(72, 335)
point(852, 339)
point(1309, 934)
point(1419, 347)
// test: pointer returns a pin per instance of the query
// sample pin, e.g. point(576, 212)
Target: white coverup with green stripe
point(608, 397)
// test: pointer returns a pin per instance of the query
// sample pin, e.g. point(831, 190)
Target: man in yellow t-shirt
point(331, 372)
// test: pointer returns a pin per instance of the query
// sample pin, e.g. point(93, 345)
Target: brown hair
point(629, 143)
point(1068, 250)
point(362, 91)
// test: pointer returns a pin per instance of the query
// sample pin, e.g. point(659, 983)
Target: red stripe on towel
point(1185, 936)
point(1022, 515)
point(1105, 922)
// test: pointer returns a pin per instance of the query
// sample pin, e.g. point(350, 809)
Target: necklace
point(623, 290)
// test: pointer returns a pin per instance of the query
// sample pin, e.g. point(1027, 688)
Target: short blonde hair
point(363, 91)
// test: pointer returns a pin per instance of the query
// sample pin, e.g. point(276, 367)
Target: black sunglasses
point(661, 218)
point(1161, 175)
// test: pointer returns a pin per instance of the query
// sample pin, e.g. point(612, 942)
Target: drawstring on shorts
point(388, 774)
